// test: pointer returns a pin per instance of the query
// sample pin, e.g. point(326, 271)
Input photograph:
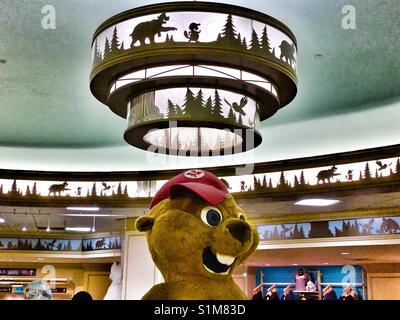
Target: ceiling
point(348, 100)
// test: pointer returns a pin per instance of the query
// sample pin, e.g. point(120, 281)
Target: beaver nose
point(239, 229)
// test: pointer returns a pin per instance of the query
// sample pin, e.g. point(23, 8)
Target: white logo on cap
point(194, 174)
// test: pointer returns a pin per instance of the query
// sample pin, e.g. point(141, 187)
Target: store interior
point(86, 116)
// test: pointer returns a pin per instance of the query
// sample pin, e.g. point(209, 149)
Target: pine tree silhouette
point(265, 45)
point(391, 173)
point(270, 183)
point(126, 191)
point(282, 181)
point(356, 228)
point(254, 43)
point(273, 52)
point(69, 246)
point(171, 110)
point(107, 49)
point(360, 177)
point(398, 166)
point(28, 191)
point(301, 233)
point(217, 106)
point(208, 108)
point(178, 110)
point(115, 41)
point(96, 54)
point(1, 190)
point(231, 116)
point(244, 44)
point(87, 194)
point(34, 190)
point(94, 191)
point(122, 47)
point(367, 172)
point(264, 183)
point(229, 32)
point(119, 189)
point(190, 104)
point(302, 179)
point(14, 190)
point(199, 104)
point(296, 182)
point(256, 184)
point(166, 38)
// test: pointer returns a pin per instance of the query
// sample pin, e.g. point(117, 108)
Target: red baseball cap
point(203, 183)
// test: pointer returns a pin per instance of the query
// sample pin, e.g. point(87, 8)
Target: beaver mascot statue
point(197, 236)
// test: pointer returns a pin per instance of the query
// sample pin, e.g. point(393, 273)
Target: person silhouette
point(82, 296)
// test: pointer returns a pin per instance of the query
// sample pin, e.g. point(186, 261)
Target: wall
point(383, 281)
point(79, 277)
point(140, 273)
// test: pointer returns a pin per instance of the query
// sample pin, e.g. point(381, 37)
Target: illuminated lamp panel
point(190, 70)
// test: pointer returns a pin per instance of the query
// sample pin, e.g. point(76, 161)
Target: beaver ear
point(144, 223)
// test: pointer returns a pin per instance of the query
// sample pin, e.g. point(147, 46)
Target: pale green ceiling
point(49, 120)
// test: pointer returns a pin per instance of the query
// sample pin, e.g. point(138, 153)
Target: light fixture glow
point(244, 274)
point(344, 253)
point(217, 97)
point(91, 215)
point(24, 228)
point(316, 202)
point(294, 264)
point(2, 220)
point(78, 229)
point(83, 208)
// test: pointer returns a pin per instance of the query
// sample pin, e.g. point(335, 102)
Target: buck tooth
point(227, 260)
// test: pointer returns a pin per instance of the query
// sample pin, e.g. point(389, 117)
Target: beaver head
point(189, 235)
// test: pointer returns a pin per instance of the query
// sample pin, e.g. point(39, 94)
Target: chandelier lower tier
point(194, 78)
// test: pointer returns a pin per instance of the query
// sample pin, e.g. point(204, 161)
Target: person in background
point(301, 280)
point(271, 294)
point(288, 294)
point(257, 293)
point(82, 296)
point(348, 294)
point(328, 293)
point(38, 290)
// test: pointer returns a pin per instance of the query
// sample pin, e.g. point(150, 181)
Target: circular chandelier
point(194, 78)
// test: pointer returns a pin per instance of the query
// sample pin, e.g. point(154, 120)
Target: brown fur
point(177, 236)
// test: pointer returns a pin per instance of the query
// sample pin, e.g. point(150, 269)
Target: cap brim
point(208, 193)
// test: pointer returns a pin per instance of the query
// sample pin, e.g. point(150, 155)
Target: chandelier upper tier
point(194, 78)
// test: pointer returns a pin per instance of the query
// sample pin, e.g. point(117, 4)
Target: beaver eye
point(241, 216)
point(211, 216)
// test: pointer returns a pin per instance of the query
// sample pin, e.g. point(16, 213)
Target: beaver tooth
point(227, 260)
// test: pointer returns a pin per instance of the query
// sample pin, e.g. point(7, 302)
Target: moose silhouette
point(149, 29)
point(51, 244)
point(367, 227)
point(324, 175)
point(100, 244)
point(287, 52)
point(285, 230)
point(389, 226)
point(58, 188)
